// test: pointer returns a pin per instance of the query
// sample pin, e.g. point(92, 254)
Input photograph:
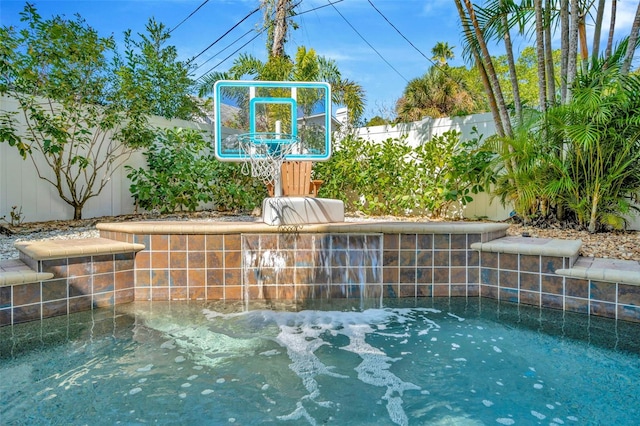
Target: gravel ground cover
point(614, 245)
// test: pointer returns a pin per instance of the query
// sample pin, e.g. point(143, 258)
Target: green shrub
point(178, 174)
point(181, 174)
point(235, 190)
point(449, 169)
point(392, 178)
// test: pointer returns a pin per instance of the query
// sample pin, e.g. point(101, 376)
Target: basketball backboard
point(273, 112)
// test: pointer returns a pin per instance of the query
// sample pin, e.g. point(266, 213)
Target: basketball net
point(265, 154)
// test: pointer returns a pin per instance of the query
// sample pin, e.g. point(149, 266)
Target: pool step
point(608, 270)
point(15, 271)
point(24, 270)
point(533, 246)
point(62, 249)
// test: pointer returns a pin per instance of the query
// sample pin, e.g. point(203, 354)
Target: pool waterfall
point(313, 268)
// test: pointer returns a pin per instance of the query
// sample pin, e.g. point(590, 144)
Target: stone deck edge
point(8, 278)
point(602, 274)
point(60, 249)
point(195, 227)
point(531, 246)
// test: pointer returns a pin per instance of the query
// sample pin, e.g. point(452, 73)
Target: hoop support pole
point(277, 184)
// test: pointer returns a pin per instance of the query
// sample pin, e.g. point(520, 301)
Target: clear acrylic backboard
point(286, 118)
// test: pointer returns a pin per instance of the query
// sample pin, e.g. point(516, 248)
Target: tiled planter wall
point(309, 266)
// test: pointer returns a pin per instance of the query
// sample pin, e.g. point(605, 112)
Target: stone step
point(15, 271)
point(532, 246)
point(609, 270)
point(60, 249)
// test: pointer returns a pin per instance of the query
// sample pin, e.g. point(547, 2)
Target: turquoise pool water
point(448, 362)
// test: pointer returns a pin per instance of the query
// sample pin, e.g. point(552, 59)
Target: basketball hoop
point(265, 153)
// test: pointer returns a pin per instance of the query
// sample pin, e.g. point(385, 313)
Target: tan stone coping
point(60, 249)
point(531, 246)
point(609, 270)
point(211, 227)
point(15, 271)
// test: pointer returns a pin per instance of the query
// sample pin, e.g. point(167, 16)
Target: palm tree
point(307, 66)
point(599, 176)
point(632, 45)
point(472, 46)
point(474, 36)
point(435, 94)
point(496, 19)
point(442, 52)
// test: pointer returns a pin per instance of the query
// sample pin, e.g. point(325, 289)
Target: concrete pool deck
point(193, 260)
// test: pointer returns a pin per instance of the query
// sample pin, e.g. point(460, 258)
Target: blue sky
point(422, 22)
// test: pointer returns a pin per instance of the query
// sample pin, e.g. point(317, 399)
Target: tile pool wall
point(214, 262)
point(78, 284)
point(532, 280)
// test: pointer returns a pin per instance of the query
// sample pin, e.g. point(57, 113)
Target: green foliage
point(235, 190)
point(58, 72)
point(392, 178)
point(526, 70)
point(599, 176)
point(155, 81)
point(308, 66)
point(438, 93)
point(521, 166)
point(83, 109)
point(181, 174)
point(377, 121)
point(450, 170)
point(581, 159)
point(178, 175)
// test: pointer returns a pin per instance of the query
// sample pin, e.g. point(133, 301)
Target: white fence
point(39, 201)
point(420, 132)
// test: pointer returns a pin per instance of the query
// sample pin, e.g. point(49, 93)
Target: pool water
point(448, 362)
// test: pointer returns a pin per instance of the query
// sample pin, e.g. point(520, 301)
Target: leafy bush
point(182, 174)
point(235, 190)
point(579, 161)
point(178, 175)
point(392, 178)
point(450, 169)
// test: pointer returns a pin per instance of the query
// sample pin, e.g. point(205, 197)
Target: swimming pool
point(438, 361)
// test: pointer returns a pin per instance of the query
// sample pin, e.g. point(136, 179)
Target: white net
point(265, 153)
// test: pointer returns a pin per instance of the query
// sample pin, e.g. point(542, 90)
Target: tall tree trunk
point(493, 106)
point(515, 87)
point(548, 52)
point(564, 49)
point(631, 47)
point(280, 28)
point(584, 49)
point(612, 27)
point(542, 79)
point(597, 31)
point(491, 72)
point(573, 46)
